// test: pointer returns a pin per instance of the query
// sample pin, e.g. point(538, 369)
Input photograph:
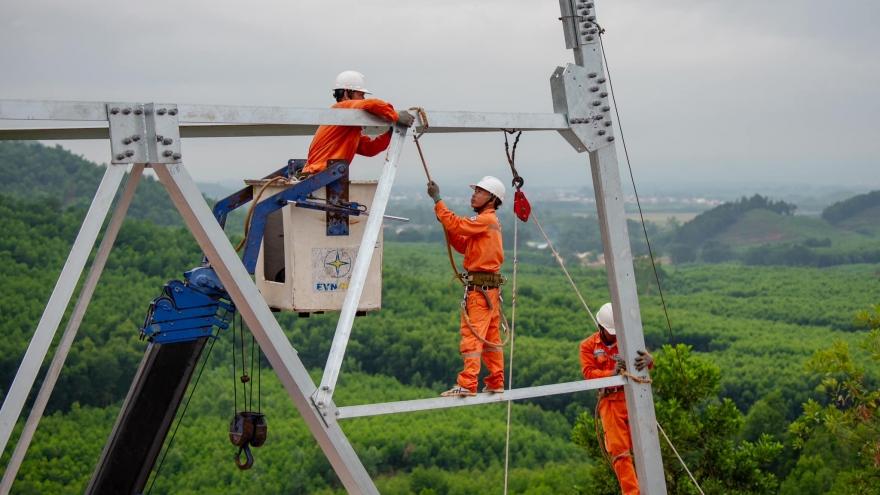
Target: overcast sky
point(748, 91)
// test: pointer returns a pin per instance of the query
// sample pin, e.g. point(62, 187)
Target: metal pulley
point(247, 429)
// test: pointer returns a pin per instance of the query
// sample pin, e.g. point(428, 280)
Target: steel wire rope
point(653, 262)
point(680, 459)
point(185, 407)
point(510, 367)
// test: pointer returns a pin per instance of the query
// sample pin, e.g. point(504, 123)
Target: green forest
point(782, 359)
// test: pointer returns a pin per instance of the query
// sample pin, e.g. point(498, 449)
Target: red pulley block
point(521, 207)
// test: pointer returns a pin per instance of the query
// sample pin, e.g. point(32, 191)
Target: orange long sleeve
point(343, 142)
point(478, 237)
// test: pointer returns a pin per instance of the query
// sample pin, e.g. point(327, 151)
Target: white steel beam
point(359, 273)
point(230, 121)
point(48, 325)
point(447, 402)
point(265, 328)
point(67, 338)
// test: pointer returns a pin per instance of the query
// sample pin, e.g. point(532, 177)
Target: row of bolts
point(596, 103)
point(586, 7)
point(137, 137)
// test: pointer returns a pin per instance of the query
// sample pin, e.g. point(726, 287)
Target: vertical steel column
point(585, 94)
point(627, 318)
point(265, 328)
point(359, 274)
point(79, 310)
point(45, 332)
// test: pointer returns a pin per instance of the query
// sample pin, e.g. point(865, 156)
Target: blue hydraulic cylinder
point(189, 310)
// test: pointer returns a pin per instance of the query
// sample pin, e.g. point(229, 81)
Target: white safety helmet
point(605, 317)
point(491, 184)
point(351, 80)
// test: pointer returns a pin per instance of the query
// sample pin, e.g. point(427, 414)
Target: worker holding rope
point(343, 142)
point(600, 359)
point(479, 239)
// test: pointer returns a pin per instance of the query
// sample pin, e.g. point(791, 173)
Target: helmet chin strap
point(478, 209)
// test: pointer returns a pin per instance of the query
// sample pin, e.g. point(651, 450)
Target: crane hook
point(250, 458)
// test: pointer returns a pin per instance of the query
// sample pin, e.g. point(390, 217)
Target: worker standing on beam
point(600, 359)
point(479, 239)
point(343, 142)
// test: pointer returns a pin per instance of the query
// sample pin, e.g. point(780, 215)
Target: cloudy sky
point(748, 91)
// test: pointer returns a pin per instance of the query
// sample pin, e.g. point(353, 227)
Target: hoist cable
point(183, 413)
point(680, 459)
point(510, 367)
point(653, 262)
point(253, 339)
point(562, 265)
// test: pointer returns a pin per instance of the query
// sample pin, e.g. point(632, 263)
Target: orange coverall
point(479, 239)
point(597, 362)
point(342, 142)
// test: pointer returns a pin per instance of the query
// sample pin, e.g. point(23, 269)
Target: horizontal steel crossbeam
point(235, 121)
point(447, 402)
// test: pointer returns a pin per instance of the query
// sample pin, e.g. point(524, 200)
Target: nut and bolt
point(136, 138)
point(325, 388)
point(177, 156)
point(591, 18)
point(592, 75)
point(604, 94)
point(173, 111)
point(320, 403)
point(594, 89)
point(336, 413)
point(610, 138)
point(126, 111)
point(167, 153)
point(120, 156)
point(126, 141)
point(167, 141)
point(138, 111)
point(114, 110)
point(600, 117)
point(607, 123)
point(161, 111)
point(159, 138)
point(601, 80)
point(590, 38)
point(606, 109)
point(324, 413)
point(597, 103)
point(129, 153)
point(601, 132)
point(589, 5)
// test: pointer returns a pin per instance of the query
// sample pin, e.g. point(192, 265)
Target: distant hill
point(32, 171)
point(862, 211)
point(761, 231)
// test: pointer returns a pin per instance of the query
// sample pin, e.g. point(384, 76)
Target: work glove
point(644, 360)
point(620, 367)
point(434, 191)
point(405, 118)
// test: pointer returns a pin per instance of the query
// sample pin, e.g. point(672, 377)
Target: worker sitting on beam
point(600, 359)
point(343, 142)
point(479, 239)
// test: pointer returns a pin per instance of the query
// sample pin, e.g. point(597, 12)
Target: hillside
point(759, 231)
point(758, 325)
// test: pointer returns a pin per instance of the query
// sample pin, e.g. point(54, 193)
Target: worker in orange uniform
point(479, 239)
point(343, 142)
point(600, 359)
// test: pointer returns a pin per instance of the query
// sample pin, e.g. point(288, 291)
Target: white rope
point(680, 459)
point(562, 264)
point(510, 368)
